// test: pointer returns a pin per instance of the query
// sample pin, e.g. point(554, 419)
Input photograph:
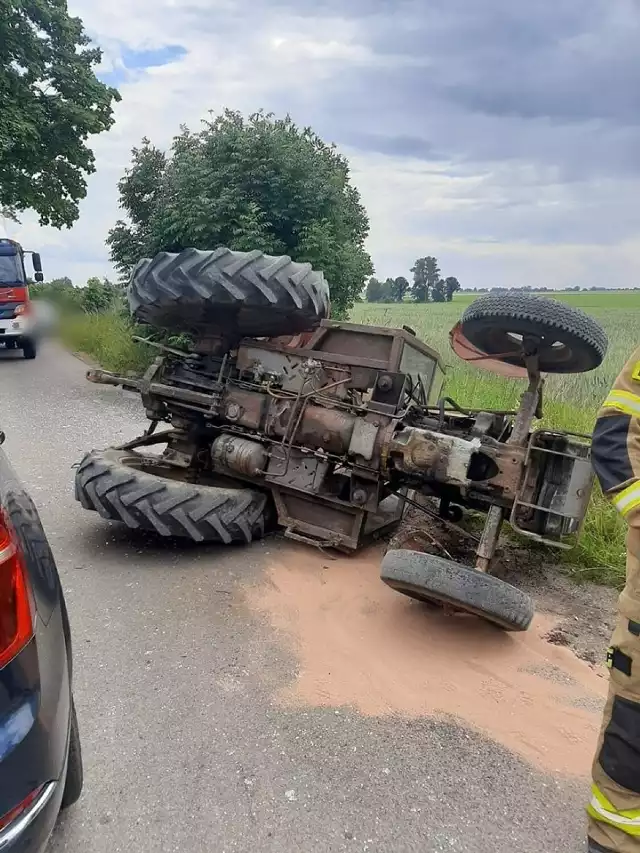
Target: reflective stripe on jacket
point(616, 442)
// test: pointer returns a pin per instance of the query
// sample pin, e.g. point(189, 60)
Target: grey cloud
point(544, 99)
point(563, 59)
point(395, 146)
point(586, 218)
point(557, 85)
point(382, 109)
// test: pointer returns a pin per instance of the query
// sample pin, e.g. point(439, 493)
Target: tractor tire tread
point(548, 312)
point(248, 292)
point(141, 499)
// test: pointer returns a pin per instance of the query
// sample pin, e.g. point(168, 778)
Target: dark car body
point(38, 728)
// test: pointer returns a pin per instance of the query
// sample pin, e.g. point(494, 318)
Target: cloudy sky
point(503, 137)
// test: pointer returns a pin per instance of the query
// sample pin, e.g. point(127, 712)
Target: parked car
point(40, 755)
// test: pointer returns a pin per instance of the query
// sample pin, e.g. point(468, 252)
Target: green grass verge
point(107, 338)
point(571, 402)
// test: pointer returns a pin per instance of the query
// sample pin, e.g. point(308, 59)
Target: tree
point(400, 288)
point(256, 183)
point(438, 293)
point(98, 295)
point(387, 291)
point(426, 275)
point(374, 290)
point(51, 102)
point(51, 288)
point(452, 285)
point(59, 291)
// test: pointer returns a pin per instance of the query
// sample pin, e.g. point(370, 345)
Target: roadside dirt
point(361, 645)
point(584, 613)
point(87, 359)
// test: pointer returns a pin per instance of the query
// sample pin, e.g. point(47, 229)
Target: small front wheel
point(439, 581)
point(568, 340)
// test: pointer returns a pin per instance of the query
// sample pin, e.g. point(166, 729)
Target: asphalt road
point(185, 749)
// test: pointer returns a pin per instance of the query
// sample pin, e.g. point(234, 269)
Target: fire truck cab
point(17, 321)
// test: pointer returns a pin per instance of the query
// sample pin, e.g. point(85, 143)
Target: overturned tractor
point(277, 415)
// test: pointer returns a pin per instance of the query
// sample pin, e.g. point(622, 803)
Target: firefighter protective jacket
point(616, 442)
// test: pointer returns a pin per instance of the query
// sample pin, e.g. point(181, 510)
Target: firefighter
point(614, 809)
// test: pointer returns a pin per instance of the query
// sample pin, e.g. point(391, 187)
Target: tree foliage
point(374, 290)
point(427, 284)
point(400, 288)
point(380, 291)
point(256, 183)
point(387, 290)
point(426, 275)
point(63, 283)
point(50, 102)
point(96, 297)
point(438, 292)
point(452, 285)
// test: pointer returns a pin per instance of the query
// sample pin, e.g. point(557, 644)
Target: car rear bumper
point(30, 831)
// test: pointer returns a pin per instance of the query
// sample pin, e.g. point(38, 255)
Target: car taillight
point(25, 308)
point(21, 807)
point(16, 621)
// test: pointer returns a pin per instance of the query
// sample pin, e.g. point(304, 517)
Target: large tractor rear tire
point(234, 294)
point(439, 581)
point(143, 494)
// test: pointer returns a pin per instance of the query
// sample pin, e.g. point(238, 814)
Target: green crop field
point(619, 313)
point(571, 402)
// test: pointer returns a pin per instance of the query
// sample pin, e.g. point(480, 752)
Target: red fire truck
point(17, 322)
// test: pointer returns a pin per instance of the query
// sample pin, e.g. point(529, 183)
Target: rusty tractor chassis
point(343, 426)
point(331, 429)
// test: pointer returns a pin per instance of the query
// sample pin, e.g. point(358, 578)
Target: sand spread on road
point(362, 645)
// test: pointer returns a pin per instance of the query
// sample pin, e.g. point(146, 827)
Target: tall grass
point(107, 338)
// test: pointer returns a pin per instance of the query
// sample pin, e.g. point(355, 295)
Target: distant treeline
point(428, 285)
point(94, 297)
point(528, 289)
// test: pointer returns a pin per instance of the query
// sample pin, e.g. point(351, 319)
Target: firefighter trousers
point(614, 809)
